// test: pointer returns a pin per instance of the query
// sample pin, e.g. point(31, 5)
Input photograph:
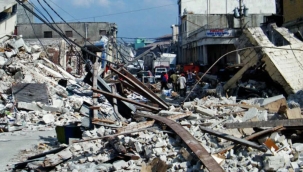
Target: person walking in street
point(182, 84)
point(164, 79)
point(174, 79)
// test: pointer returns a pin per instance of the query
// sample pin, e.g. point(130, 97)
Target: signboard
point(219, 33)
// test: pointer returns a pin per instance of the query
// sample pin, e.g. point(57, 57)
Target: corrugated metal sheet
point(30, 92)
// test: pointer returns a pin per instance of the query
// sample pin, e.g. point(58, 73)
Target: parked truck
point(172, 59)
point(166, 59)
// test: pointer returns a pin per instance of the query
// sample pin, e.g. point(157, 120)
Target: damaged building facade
point(210, 30)
point(117, 123)
point(83, 33)
point(8, 17)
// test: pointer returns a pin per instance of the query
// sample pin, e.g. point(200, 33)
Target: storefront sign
point(219, 33)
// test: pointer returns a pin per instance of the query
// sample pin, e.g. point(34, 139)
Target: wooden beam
point(270, 123)
point(126, 99)
point(95, 79)
point(234, 139)
point(253, 136)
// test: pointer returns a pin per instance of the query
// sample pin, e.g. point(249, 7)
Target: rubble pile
point(211, 132)
point(23, 66)
point(137, 151)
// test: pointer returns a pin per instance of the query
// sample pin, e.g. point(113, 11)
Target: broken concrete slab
point(36, 107)
point(273, 163)
point(120, 164)
point(204, 111)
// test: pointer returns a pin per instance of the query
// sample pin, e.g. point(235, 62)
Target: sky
point(134, 18)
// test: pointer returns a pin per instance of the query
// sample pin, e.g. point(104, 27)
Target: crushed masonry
point(140, 129)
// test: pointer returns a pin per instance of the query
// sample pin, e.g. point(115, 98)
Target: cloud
point(104, 3)
point(85, 3)
point(101, 3)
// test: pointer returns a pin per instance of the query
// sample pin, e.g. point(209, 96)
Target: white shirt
point(182, 82)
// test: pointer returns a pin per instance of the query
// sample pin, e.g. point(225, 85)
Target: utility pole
point(241, 14)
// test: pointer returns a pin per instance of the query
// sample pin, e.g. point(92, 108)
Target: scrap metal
point(127, 100)
point(253, 136)
point(144, 90)
point(209, 162)
point(234, 139)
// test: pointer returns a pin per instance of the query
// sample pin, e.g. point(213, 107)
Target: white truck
point(164, 63)
point(172, 59)
point(166, 59)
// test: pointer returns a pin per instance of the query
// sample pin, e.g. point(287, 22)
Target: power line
point(125, 12)
point(73, 28)
point(63, 10)
point(78, 54)
point(62, 35)
point(131, 11)
point(35, 33)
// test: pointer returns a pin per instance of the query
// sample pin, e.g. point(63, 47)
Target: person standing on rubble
point(164, 79)
point(174, 78)
point(182, 84)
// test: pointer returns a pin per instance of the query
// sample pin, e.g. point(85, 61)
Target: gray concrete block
point(298, 147)
point(251, 113)
point(273, 163)
point(203, 111)
point(118, 165)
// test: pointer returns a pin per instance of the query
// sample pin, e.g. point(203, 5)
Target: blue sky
point(136, 20)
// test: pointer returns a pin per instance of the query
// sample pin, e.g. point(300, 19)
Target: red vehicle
point(191, 68)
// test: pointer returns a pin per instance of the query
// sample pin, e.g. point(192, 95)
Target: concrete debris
point(37, 94)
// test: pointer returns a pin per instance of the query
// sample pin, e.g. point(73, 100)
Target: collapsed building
point(136, 129)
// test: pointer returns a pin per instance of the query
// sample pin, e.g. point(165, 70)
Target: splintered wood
point(179, 116)
point(140, 125)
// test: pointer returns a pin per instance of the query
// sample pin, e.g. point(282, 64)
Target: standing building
point(8, 17)
point(89, 32)
point(208, 28)
point(23, 17)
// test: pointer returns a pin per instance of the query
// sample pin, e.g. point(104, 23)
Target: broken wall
point(283, 63)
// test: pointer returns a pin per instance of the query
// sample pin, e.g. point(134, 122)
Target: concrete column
point(205, 60)
point(238, 58)
point(63, 54)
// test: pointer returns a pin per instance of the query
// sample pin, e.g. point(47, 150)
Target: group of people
point(179, 82)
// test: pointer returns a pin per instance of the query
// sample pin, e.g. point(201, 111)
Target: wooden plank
point(244, 106)
point(179, 116)
point(234, 139)
point(138, 126)
point(95, 78)
point(277, 106)
point(104, 120)
point(270, 123)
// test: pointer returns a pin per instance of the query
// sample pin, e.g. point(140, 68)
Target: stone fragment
point(101, 131)
point(160, 143)
point(90, 159)
point(186, 155)
point(295, 166)
point(273, 163)
point(120, 164)
point(48, 118)
point(138, 147)
point(77, 147)
point(298, 147)
point(275, 136)
point(204, 111)
point(251, 113)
